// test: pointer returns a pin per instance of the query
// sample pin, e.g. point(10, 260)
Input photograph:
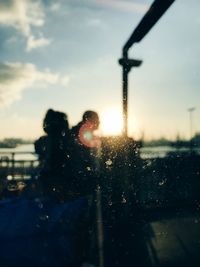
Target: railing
point(154, 180)
point(17, 165)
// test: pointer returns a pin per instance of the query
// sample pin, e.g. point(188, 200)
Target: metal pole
point(191, 110)
point(190, 114)
point(13, 164)
point(126, 64)
point(125, 100)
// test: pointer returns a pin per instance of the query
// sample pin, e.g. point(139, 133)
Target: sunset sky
point(64, 55)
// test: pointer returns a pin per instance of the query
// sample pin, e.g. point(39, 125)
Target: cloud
point(94, 22)
point(23, 15)
point(33, 42)
point(123, 5)
point(17, 77)
point(64, 81)
point(55, 7)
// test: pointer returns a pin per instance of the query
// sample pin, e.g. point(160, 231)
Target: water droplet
point(124, 200)
point(9, 177)
point(162, 182)
point(109, 162)
point(110, 203)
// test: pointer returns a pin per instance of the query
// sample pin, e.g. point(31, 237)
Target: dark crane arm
point(154, 13)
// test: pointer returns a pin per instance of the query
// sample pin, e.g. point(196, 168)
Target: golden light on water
point(111, 121)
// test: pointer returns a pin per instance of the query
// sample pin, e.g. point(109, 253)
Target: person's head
point(55, 122)
point(92, 118)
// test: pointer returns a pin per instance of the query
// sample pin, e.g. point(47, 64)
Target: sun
point(111, 121)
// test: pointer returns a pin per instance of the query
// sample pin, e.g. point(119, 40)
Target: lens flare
point(87, 137)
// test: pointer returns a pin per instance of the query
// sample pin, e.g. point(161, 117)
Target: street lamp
point(126, 64)
point(155, 12)
point(191, 110)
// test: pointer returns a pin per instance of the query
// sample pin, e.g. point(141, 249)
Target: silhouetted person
point(54, 124)
point(84, 147)
point(52, 151)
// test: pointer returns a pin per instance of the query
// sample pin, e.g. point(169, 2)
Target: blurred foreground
point(148, 212)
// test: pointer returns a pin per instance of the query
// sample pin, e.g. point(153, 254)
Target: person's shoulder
point(41, 139)
point(75, 129)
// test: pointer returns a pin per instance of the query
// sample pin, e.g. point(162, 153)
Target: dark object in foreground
point(40, 232)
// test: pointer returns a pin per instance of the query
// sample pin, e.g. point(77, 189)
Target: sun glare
point(111, 122)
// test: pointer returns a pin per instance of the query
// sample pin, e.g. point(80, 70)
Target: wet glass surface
point(117, 184)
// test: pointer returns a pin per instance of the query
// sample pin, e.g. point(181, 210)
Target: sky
point(64, 55)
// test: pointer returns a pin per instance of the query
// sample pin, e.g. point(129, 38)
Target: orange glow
point(111, 121)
